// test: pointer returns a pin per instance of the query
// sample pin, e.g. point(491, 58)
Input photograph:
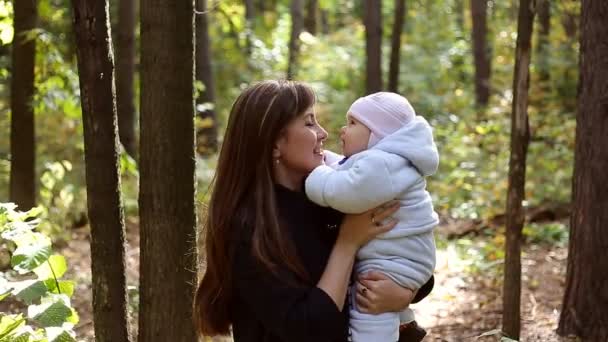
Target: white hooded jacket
point(392, 169)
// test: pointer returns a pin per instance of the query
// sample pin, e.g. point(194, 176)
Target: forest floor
point(462, 306)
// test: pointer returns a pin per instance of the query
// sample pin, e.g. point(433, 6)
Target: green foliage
point(436, 75)
point(34, 280)
point(62, 202)
point(548, 233)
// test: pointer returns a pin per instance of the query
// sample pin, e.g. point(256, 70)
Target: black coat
point(269, 307)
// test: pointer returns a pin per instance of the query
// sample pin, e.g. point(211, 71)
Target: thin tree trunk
point(297, 25)
point(481, 51)
point(249, 18)
point(373, 45)
point(311, 16)
point(23, 140)
point(125, 71)
point(393, 74)
point(544, 21)
point(570, 19)
point(459, 13)
point(206, 129)
point(324, 21)
point(168, 259)
point(585, 307)
point(520, 136)
point(96, 72)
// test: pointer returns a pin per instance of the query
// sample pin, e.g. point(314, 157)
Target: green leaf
point(54, 267)
point(52, 312)
point(21, 337)
point(74, 318)
point(26, 258)
point(9, 323)
point(66, 287)
point(57, 334)
point(5, 288)
point(29, 290)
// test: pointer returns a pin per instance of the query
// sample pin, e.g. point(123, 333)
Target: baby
point(388, 151)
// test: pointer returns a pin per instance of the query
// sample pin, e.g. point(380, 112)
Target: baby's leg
point(407, 316)
point(372, 328)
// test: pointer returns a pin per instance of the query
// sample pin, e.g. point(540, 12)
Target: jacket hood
point(414, 142)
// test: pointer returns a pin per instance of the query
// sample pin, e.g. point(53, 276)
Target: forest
point(112, 113)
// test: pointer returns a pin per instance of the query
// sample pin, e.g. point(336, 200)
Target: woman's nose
point(322, 135)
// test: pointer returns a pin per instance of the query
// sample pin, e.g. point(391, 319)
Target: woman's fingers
point(363, 304)
point(383, 228)
point(381, 213)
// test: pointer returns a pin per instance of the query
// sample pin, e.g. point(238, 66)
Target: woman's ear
point(278, 146)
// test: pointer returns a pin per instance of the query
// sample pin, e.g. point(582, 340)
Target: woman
point(277, 265)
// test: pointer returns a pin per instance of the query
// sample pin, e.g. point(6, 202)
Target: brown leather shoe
point(411, 332)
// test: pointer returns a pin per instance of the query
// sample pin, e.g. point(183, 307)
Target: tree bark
point(570, 19)
point(125, 72)
point(544, 21)
point(459, 13)
point(372, 17)
point(311, 16)
point(23, 140)
point(481, 51)
point(206, 129)
point(167, 163)
point(96, 73)
point(393, 74)
point(520, 136)
point(324, 21)
point(297, 25)
point(585, 307)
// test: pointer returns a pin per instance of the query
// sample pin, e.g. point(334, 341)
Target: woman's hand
point(377, 293)
point(357, 230)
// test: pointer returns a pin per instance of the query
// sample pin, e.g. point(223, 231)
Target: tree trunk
point(459, 13)
point(96, 72)
point(324, 21)
point(206, 128)
point(481, 51)
point(372, 16)
point(167, 158)
point(125, 71)
point(520, 136)
point(585, 308)
point(311, 17)
point(23, 141)
point(544, 21)
point(570, 19)
point(393, 74)
point(297, 25)
point(249, 18)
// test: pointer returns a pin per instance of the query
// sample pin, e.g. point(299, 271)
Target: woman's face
point(300, 148)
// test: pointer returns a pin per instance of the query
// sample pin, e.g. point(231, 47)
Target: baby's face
point(354, 136)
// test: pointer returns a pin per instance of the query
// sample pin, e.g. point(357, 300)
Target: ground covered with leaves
point(464, 305)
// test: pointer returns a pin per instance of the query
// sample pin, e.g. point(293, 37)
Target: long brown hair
point(243, 195)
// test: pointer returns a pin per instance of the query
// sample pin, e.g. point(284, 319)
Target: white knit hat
point(383, 113)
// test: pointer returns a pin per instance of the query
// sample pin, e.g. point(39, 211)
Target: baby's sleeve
point(367, 184)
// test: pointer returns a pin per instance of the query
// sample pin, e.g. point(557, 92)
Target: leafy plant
point(35, 280)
